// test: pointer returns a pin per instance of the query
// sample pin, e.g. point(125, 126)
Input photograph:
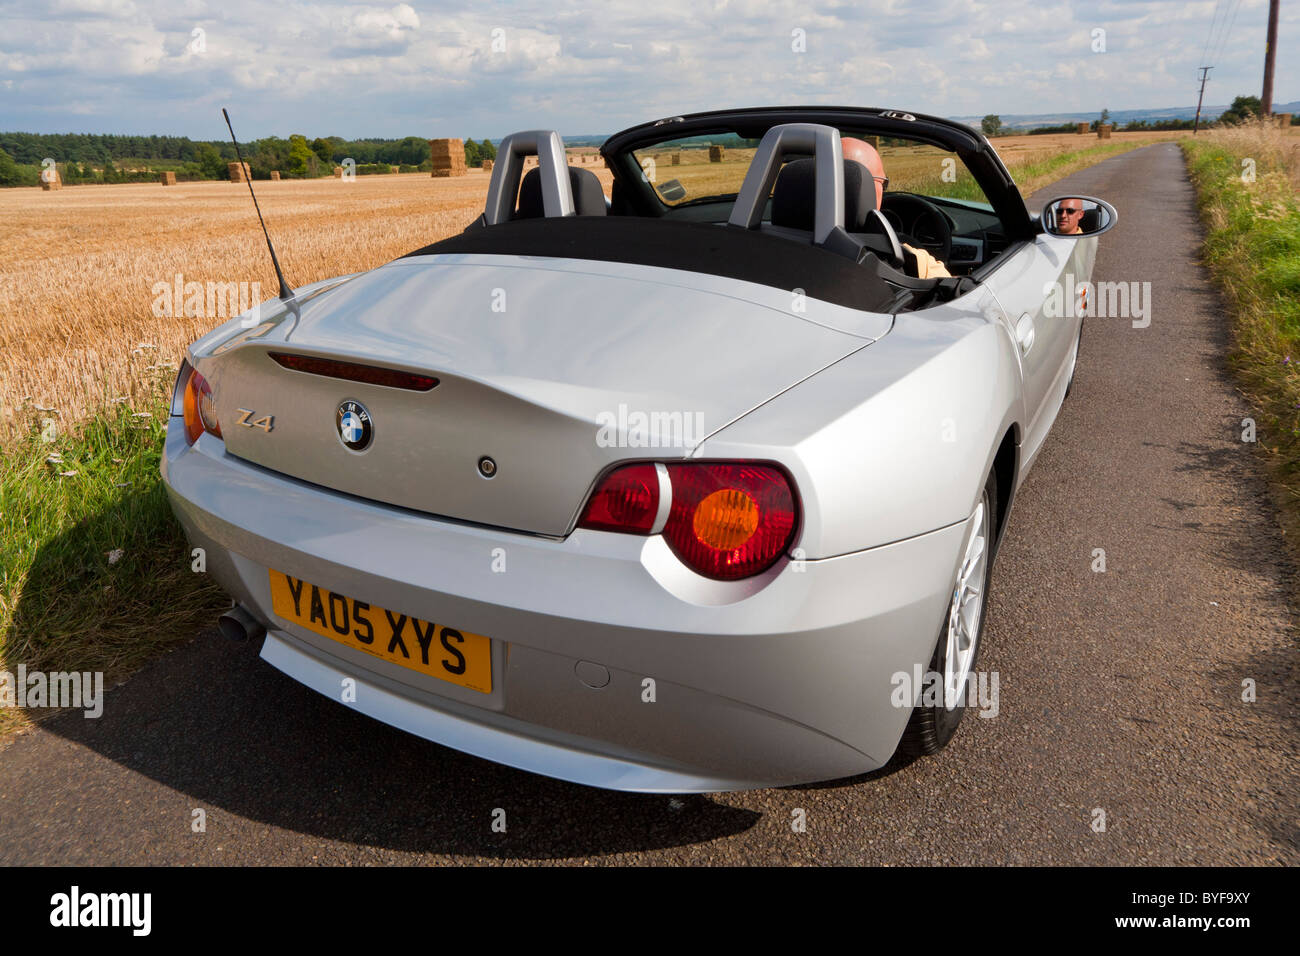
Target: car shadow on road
point(214, 722)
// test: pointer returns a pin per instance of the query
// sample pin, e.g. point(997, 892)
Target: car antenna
point(285, 291)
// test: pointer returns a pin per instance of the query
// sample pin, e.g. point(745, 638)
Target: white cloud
point(381, 69)
point(377, 28)
point(91, 8)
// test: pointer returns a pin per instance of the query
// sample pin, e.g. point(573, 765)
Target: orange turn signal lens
point(726, 519)
point(198, 408)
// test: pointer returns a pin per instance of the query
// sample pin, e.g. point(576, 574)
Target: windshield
point(711, 167)
point(698, 167)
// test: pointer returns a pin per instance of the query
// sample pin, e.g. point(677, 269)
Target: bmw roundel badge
point(354, 426)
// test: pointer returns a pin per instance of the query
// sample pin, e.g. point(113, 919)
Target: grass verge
point(94, 574)
point(1248, 191)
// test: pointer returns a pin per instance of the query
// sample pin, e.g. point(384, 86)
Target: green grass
point(1252, 248)
point(64, 603)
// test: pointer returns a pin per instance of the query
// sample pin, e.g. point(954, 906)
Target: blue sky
point(486, 69)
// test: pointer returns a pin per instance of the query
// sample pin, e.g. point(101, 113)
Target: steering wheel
point(924, 226)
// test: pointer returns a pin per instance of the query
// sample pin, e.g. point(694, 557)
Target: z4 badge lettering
point(266, 422)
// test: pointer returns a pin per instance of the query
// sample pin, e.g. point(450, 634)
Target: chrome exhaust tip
point(239, 625)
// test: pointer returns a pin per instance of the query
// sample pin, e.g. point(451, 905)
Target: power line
point(1227, 33)
point(1206, 49)
point(1223, 39)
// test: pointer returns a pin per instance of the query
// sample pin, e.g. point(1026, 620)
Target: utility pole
point(1205, 72)
point(1266, 101)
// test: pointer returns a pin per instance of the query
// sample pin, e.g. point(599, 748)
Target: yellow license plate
point(434, 649)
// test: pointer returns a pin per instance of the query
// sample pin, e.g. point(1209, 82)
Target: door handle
point(1025, 333)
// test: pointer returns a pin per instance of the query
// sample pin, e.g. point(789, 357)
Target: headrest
point(1090, 221)
point(794, 195)
point(588, 197)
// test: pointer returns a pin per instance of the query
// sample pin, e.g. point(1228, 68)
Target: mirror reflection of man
point(1069, 217)
point(860, 151)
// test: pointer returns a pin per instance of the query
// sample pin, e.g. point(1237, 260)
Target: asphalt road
point(1119, 690)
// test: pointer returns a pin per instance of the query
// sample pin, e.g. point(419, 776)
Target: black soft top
point(728, 251)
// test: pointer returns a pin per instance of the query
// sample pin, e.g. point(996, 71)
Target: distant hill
point(575, 140)
point(1118, 117)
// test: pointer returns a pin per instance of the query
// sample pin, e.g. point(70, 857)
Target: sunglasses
point(883, 180)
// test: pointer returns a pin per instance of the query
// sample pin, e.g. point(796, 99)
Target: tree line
point(109, 158)
point(1243, 108)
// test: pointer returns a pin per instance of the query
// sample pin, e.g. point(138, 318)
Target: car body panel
point(1024, 284)
point(897, 440)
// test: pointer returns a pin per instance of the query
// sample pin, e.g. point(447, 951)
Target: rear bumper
point(779, 680)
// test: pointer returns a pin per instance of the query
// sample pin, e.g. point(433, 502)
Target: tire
point(933, 724)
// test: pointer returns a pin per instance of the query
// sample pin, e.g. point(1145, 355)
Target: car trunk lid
point(553, 369)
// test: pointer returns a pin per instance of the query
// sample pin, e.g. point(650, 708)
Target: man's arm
point(923, 265)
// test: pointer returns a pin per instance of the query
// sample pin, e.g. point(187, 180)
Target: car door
point(1038, 289)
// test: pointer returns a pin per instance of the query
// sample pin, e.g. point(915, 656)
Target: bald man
point(860, 151)
point(1069, 217)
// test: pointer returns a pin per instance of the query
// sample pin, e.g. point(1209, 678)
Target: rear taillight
point(627, 500)
point(727, 520)
point(199, 408)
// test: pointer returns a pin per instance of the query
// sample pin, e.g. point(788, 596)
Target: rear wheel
point(941, 706)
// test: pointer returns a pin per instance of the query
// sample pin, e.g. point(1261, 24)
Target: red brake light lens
point(355, 372)
point(728, 520)
point(627, 500)
point(199, 408)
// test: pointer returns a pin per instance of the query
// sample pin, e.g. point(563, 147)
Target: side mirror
point(1074, 217)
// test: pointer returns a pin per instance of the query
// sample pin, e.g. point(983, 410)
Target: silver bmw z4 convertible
point(691, 486)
